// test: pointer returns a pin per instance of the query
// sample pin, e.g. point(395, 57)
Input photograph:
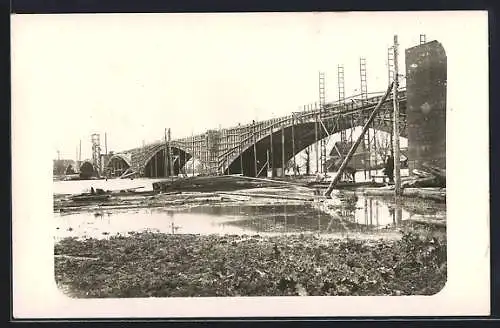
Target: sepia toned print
point(345, 196)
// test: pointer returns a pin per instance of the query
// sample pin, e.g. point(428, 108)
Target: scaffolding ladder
point(322, 101)
point(390, 64)
point(362, 75)
point(341, 90)
point(390, 72)
point(422, 39)
point(364, 98)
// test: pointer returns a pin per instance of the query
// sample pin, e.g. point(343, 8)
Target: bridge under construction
point(269, 147)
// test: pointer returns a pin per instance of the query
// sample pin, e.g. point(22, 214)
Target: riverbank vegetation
point(167, 265)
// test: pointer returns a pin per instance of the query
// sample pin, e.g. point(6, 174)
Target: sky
point(133, 75)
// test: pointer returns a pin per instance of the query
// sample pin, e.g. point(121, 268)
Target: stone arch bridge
point(250, 149)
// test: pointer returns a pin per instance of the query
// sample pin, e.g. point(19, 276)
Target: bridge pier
point(426, 69)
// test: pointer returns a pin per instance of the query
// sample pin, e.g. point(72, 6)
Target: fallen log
point(237, 198)
point(189, 200)
point(434, 222)
point(432, 194)
point(420, 173)
point(295, 184)
point(421, 182)
point(268, 196)
point(71, 257)
point(346, 185)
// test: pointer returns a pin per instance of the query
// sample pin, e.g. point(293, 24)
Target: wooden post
point(283, 164)
point(165, 154)
point(293, 144)
point(181, 163)
point(172, 172)
point(369, 157)
point(316, 137)
point(371, 212)
point(241, 162)
point(366, 212)
point(356, 144)
point(397, 156)
point(254, 150)
point(156, 166)
point(273, 171)
point(192, 152)
point(226, 149)
point(267, 163)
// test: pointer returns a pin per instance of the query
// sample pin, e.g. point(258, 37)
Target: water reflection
point(348, 214)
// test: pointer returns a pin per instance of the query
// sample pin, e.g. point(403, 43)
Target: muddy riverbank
point(162, 265)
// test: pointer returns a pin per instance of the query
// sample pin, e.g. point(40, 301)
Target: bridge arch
point(155, 160)
point(304, 137)
point(117, 165)
point(87, 170)
point(69, 169)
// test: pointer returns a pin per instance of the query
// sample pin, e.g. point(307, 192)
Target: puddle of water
point(351, 216)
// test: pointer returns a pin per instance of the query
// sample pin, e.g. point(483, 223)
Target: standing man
point(389, 168)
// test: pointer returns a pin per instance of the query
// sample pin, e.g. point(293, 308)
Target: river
point(353, 215)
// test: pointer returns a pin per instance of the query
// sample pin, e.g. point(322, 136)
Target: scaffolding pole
point(240, 147)
point(316, 137)
point(193, 151)
point(329, 190)
point(254, 150)
point(283, 164)
point(293, 145)
point(397, 161)
point(272, 154)
point(172, 172)
point(165, 158)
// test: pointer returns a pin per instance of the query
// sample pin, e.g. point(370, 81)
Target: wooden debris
point(71, 257)
point(434, 222)
point(268, 196)
point(436, 194)
point(437, 172)
point(421, 182)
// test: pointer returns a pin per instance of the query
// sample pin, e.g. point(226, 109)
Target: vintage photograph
point(283, 158)
point(250, 157)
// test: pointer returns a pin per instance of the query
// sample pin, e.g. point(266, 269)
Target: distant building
point(357, 161)
point(64, 166)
